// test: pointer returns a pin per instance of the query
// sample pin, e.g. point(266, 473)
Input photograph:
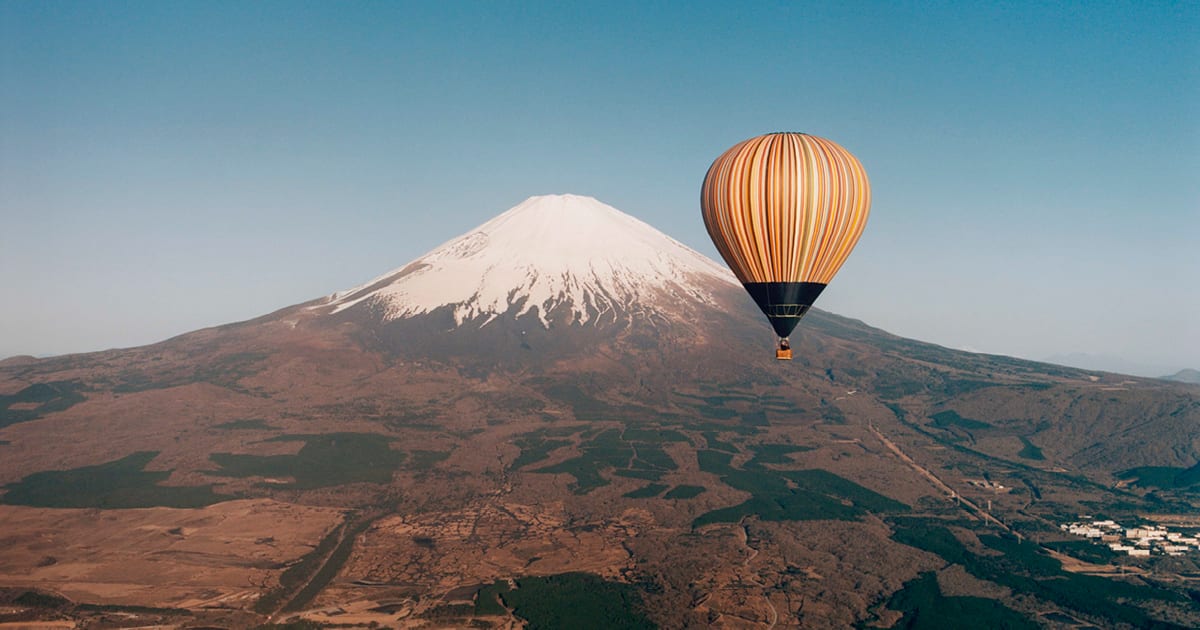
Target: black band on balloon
point(784, 303)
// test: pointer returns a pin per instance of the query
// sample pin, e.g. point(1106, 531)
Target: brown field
point(221, 554)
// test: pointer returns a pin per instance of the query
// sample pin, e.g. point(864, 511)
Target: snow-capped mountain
point(568, 258)
point(547, 377)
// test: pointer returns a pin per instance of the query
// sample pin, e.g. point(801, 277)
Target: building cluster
point(990, 485)
point(1135, 541)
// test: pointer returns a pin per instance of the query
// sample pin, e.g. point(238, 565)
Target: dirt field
point(443, 551)
point(224, 553)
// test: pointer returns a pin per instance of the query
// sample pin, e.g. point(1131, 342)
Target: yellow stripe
point(785, 207)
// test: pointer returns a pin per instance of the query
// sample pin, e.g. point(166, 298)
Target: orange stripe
point(785, 207)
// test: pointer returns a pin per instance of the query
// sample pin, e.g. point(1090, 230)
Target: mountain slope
point(1186, 375)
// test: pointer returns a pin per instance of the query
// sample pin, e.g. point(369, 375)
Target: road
point(924, 472)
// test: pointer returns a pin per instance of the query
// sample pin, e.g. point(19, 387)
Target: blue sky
point(169, 166)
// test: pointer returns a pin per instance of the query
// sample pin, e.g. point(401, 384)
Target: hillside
point(1185, 376)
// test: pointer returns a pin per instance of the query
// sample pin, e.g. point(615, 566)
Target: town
point(1135, 541)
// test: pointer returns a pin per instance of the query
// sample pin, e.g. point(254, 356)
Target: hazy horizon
point(172, 167)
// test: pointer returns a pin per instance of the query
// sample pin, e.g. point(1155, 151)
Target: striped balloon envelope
point(785, 210)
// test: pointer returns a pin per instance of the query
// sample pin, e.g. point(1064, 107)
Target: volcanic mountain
point(567, 417)
point(563, 258)
point(558, 273)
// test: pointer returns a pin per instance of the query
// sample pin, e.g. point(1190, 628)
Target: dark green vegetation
point(684, 492)
point(246, 425)
point(789, 495)
point(1165, 477)
point(426, 460)
point(114, 485)
point(1030, 451)
point(1022, 567)
point(1085, 550)
point(329, 569)
point(925, 607)
point(831, 414)
point(139, 610)
point(299, 574)
point(588, 407)
point(648, 475)
point(534, 450)
point(632, 452)
point(328, 459)
point(647, 491)
point(23, 608)
point(487, 600)
point(569, 600)
point(537, 445)
point(774, 453)
point(744, 408)
point(585, 470)
point(715, 443)
point(449, 611)
point(712, 407)
point(1188, 477)
point(38, 400)
point(737, 428)
point(34, 599)
point(949, 418)
point(652, 435)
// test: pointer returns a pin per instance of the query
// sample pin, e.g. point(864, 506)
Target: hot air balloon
point(784, 210)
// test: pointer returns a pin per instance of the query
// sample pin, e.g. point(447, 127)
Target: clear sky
point(166, 166)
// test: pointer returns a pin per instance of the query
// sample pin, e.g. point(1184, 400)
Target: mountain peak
point(562, 207)
point(568, 255)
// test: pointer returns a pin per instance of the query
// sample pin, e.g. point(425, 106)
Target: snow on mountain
point(562, 254)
